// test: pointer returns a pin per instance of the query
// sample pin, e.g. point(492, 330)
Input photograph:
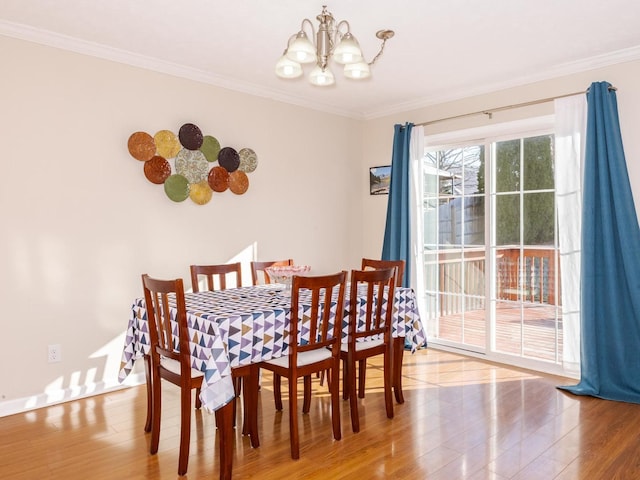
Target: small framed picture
point(379, 180)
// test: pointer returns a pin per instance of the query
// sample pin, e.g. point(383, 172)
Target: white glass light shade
point(286, 68)
point(357, 71)
point(321, 78)
point(301, 49)
point(348, 50)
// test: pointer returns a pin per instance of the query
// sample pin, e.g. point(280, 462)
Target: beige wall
point(80, 223)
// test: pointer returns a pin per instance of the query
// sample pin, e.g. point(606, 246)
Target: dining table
point(240, 327)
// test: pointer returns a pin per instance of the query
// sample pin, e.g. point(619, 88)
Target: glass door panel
point(490, 248)
point(527, 315)
point(454, 245)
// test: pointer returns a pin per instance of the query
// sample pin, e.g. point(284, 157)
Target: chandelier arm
point(341, 23)
point(291, 38)
point(313, 30)
point(375, 59)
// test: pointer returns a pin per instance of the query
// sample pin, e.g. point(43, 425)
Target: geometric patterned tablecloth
point(239, 326)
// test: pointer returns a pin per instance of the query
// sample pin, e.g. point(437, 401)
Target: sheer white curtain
point(570, 129)
point(416, 152)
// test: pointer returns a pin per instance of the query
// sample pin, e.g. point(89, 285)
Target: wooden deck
point(535, 337)
point(528, 324)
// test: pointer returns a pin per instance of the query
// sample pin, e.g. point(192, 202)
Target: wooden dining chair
point(170, 359)
point(314, 345)
point(215, 275)
point(216, 279)
point(257, 267)
point(369, 334)
point(368, 263)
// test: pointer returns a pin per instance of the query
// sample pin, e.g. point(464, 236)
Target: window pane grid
point(524, 247)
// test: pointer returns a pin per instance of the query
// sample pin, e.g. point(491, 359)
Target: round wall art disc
point(229, 159)
point(167, 144)
point(210, 147)
point(192, 164)
point(141, 146)
point(248, 160)
point(177, 188)
point(190, 136)
point(218, 179)
point(157, 170)
point(238, 182)
point(200, 192)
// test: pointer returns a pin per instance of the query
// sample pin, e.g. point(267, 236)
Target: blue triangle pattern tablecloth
point(239, 326)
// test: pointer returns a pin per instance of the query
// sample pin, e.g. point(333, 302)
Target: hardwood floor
point(463, 419)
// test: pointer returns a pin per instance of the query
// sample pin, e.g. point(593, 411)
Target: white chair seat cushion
point(367, 344)
point(174, 366)
point(304, 358)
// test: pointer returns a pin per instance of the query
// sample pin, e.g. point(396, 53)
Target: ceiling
point(442, 49)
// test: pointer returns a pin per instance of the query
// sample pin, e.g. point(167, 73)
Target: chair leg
point(277, 392)
point(350, 371)
point(250, 402)
point(155, 409)
point(147, 374)
point(345, 379)
point(237, 387)
point(362, 373)
point(185, 430)
point(335, 399)
point(246, 406)
point(322, 375)
point(306, 404)
point(293, 418)
point(398, 353)
point(388, 381)
point(198, 401)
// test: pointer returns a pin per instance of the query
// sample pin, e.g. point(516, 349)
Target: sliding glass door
point(490, 248)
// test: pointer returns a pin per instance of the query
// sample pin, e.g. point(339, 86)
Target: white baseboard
point(25, 404)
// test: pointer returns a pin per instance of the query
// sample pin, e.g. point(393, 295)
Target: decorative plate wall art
point(141, 146)
point(200, 166)
point(192, 164)
point(157, 170)
point(218, 179)
point(248, 160)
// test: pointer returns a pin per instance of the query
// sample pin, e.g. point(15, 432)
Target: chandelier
point(331, 41)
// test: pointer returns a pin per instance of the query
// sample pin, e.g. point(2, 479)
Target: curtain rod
point(490, 111)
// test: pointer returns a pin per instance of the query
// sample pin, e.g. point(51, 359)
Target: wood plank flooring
point(463, 418)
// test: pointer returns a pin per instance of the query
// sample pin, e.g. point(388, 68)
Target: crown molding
point(569, 68)
point(64, 42)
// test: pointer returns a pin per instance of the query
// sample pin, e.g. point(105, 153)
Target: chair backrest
point(213, 273)
point(377, 264)
point(315, 328)
point(374, 317)
point(164, 342)
point(257, 267)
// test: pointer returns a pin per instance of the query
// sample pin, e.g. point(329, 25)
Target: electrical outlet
point(55, 353)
